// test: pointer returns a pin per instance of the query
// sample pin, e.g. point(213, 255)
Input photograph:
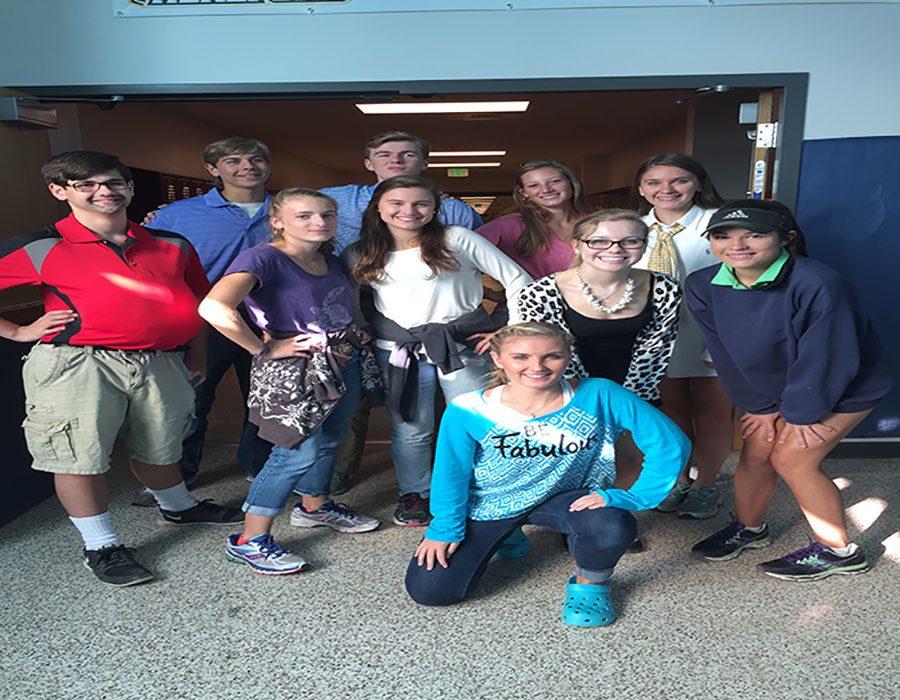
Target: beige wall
point(161, 138)
point(616, 169)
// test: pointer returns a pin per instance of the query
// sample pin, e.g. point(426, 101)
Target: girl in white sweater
point(428, 321)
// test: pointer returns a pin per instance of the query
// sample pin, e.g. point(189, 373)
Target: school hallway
point(207, 628)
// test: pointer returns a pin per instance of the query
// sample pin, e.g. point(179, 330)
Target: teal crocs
point(588, 605)
point(515, 546)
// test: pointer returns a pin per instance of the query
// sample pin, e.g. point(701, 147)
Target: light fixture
point(440, 107)
point(465, 154)
point(464, 165)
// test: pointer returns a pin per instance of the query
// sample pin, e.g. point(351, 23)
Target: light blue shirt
point(218, 229)
point(352, 202)
point(489, 465)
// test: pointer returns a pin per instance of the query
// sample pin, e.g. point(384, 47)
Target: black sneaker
point(116, 566)
point(412, 511)
point(204, 513)
point(730, 541)
point(814, 562)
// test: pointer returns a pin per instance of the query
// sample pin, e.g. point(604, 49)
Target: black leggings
point(596, 539)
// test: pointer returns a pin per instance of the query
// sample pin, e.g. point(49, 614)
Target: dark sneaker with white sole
point(204, 513)
point(730, 541)
point(814, 562)
point(412, 511)
point(116, 566)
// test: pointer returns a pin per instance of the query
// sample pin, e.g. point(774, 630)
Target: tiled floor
point(345, 629)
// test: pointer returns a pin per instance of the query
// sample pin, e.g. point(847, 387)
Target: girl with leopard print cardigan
point(624, 320)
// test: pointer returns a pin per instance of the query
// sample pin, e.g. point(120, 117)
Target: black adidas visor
point(758, 220)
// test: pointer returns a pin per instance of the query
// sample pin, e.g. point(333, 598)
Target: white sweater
point(410, 296)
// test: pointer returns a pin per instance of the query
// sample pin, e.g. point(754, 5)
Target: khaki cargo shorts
point(77, 399)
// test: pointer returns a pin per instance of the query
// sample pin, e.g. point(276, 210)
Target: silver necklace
point(588, 295)
point(532, 412)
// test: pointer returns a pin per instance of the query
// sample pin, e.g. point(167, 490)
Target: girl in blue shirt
point(520, 452)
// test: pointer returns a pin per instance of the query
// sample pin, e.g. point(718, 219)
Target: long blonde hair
point(536, 237)
point(530, 329)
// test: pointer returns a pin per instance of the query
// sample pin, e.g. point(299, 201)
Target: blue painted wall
point(849, 210)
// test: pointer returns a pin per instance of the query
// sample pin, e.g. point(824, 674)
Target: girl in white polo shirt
point(676, 197)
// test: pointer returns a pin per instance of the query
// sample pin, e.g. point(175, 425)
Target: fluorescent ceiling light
point(464, 165)
point(440, 107)
point(465, 154)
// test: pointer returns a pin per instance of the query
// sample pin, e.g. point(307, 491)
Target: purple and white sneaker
point(814, 562)
point(263, 555)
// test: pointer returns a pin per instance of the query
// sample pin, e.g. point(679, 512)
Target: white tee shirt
point(251, 207)
point(409, 295)
point(693, 254)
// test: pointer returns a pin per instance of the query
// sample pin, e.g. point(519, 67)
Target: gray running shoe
point(700, 503)
point(671, 502)
point(337, 516)
point(263, 555)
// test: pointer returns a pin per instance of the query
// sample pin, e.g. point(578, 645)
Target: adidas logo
point(736, 214)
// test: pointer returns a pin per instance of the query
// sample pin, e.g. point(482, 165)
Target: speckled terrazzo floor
point(210, 629)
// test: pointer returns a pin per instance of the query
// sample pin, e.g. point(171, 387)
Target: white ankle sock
point(174, 499)
point(96, 531)
point(759, 528)
point(847, 551)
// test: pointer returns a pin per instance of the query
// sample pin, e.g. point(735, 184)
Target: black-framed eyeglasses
point(91, 186)
point(606, 244)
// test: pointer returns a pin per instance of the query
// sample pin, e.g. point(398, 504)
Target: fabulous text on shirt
point(562, 446)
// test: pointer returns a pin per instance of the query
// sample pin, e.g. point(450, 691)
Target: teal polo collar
point(772, 275)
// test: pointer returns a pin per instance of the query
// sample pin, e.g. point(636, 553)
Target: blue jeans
point(412, 442)
point(252, 451)
point(312, 460)
point(596, 539)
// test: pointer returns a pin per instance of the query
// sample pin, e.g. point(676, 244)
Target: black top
point(605, 345)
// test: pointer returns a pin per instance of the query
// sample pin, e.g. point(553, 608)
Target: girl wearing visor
point(798, 357)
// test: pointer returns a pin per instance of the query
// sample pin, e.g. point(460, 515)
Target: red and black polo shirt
point(141, 296)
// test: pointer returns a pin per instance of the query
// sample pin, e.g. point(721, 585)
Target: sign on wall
point(163, 8)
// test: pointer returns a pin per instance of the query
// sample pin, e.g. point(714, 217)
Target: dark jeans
point(252, 451)
point(596, 539)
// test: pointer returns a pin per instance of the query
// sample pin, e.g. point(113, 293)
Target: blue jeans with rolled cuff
point(412, 442)
point(596, 539)
point(312, 460)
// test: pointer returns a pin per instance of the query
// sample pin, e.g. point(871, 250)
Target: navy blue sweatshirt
point(800, 346)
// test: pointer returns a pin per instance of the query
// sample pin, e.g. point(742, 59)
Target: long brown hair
point(536, 237)
point(706, 197)
point(376, 242)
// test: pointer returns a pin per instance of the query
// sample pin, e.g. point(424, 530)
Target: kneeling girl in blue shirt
point(520, 452)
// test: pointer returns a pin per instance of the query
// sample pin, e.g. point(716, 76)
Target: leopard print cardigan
point(542, 301)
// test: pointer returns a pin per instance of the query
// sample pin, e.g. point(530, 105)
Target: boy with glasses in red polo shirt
point(119, 343)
